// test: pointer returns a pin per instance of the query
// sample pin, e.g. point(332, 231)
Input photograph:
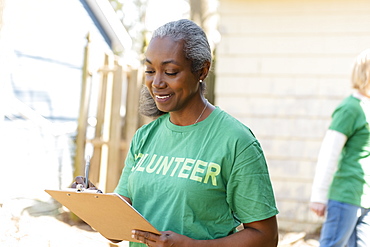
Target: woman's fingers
point(145, 237)
point(154, 240)
point(81, 180)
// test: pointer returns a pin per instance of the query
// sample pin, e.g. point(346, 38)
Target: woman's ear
point(203, 72)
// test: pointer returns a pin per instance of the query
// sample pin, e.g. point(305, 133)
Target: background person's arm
point(326, 166)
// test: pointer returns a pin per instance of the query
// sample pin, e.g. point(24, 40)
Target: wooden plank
point(83, 114)
point(114, 161)
point(98, 142)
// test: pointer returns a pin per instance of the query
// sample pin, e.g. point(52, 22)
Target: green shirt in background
point(201, 180)
point(351, 182)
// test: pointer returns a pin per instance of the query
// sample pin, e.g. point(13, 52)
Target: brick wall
point(282, 67)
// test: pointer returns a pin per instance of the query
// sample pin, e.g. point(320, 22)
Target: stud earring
point(200, 81)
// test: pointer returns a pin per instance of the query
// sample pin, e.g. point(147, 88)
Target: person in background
point(195, 172)
point(341, 186)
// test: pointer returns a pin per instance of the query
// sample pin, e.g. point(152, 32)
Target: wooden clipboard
point(109, 214)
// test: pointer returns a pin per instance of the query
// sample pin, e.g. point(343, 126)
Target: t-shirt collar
point(361, 97)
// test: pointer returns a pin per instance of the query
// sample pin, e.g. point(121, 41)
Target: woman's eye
point(149, 71)
point(171, 73)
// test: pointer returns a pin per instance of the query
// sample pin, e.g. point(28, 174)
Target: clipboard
point(109, 214)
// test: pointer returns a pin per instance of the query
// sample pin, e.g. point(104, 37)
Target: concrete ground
point(26, 222)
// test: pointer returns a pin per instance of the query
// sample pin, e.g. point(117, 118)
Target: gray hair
point(147, 106)
point(196, 46)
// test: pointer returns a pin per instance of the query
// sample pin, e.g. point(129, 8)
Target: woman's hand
point(81, 180)
point(166, 239)
point(262, 233)
point(318, 208)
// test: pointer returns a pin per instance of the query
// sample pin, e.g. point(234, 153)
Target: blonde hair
point(361, 71)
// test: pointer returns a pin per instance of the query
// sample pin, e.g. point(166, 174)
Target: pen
point(87, 168)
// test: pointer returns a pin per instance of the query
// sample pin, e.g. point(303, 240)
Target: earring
point(200, 81)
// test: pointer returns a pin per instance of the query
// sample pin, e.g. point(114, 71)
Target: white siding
point(282, 67)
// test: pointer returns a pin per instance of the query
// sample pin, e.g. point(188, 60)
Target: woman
point(341, 185)
point(195, 172)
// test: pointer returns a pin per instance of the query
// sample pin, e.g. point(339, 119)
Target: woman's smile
point(162, 98)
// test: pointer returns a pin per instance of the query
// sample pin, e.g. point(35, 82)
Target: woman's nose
point(158, 82)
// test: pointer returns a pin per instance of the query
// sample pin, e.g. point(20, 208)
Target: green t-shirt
point(351, 182)
point(201, 180)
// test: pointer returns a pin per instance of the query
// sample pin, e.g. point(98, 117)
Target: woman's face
point(168, 75)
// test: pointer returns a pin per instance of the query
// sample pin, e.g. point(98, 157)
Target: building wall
point(282, 67)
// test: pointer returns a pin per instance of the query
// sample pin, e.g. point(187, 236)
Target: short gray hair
point(196, 46)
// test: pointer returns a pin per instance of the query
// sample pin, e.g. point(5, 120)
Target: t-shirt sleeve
point(344, 120)
point(249, 190)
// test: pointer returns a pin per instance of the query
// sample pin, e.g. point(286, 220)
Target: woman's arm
point(262, 233)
